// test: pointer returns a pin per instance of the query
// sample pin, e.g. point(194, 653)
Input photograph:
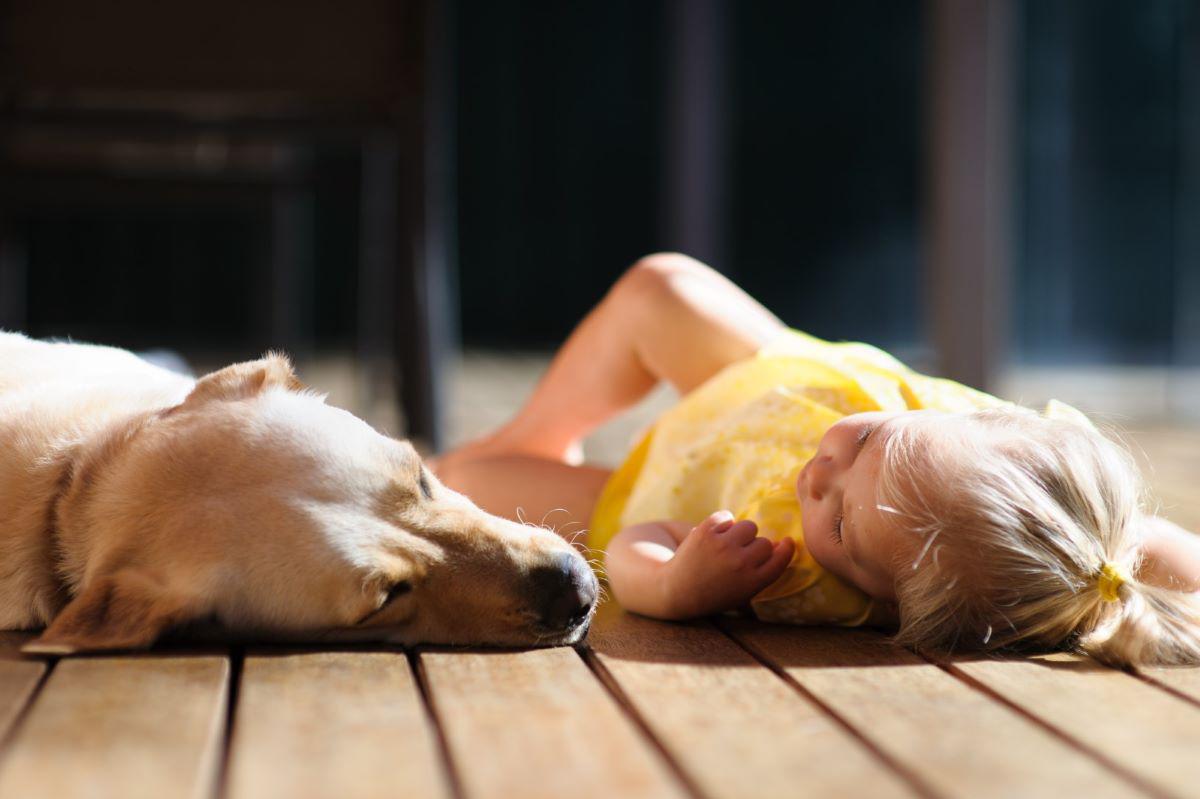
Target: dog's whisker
point(551, 512)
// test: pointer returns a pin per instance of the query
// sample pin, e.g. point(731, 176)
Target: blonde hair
point(1016, 520)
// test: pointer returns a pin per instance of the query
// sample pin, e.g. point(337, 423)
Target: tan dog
point(133, 500)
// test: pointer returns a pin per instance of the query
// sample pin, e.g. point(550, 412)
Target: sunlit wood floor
point(711, 709)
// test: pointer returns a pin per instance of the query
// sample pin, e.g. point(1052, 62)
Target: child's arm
point(665, 570)
point(1171, 556)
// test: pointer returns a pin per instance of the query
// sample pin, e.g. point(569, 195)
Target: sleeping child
point(827, 483)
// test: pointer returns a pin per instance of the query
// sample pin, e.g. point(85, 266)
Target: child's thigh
point(530, 489)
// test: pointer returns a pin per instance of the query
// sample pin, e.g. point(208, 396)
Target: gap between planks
point(593, 662)
point(732, 726)
point(498, 723)
point(221, 780)
point(1149, 732)
point(959, 740)
point(538, 723)
point(1179, 681)
point(341, 722)
point(1096, 754)
point(135, 725)
point(21, 680)
point(453, 780)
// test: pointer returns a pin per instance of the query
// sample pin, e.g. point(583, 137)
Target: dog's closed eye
point(395, 592)
point(398, 590)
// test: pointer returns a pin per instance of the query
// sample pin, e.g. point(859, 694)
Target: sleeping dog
point(134, 500)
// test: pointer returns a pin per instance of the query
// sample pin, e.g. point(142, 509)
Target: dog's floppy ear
point(127, 610)
point(242, 380)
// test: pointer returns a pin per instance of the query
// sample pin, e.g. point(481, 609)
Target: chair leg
point(419, 321)
point(376, 316)
point(422, 185)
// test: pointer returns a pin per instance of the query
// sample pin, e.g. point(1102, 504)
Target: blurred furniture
point(224, 102)
point(969, 77)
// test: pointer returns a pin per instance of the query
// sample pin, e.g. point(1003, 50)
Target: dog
point(135, 501)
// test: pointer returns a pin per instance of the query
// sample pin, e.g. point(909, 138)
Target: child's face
point(843, 529)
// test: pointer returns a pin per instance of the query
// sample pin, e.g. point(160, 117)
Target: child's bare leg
point(670, 318)
point(527, 488)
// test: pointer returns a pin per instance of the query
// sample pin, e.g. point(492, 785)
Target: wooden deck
point(646, 709)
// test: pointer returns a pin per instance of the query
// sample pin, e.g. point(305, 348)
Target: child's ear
point(127, 610)
point(242, 380)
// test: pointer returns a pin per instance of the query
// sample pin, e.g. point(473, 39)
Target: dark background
point(558, 172)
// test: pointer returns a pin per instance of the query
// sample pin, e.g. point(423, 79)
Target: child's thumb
point(781, 556)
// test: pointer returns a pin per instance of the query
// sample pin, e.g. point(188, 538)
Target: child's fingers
point(781, 556)
point(719, 521)
point(742, 533)
point(759, 551)
point(720, 517)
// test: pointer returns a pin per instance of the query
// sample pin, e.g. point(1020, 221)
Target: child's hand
point(721, 564)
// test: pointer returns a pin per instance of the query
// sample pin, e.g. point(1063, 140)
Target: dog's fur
point(133, 500)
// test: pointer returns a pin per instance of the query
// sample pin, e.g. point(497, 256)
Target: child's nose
point(819, 474)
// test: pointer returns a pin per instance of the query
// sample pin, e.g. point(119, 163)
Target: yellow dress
point(739, 440)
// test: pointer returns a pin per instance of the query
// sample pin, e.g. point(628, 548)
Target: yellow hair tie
point(1109, 583)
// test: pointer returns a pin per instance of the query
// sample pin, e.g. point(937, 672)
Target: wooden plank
point(954, 739)
point(1169, 460)
point(723, 716)
point(1185, 681)
point(19, 678)
point(344, 724)
point(1143, 730)
point(539, 724)
point(122, 727)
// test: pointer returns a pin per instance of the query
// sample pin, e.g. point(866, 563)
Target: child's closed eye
point(836, 535)
point(864, 435)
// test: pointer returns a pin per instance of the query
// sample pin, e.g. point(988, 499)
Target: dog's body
point(57, 401)
point(133, 499)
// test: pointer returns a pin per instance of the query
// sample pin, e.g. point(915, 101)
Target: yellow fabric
point(739, 440)
point(1110, 580)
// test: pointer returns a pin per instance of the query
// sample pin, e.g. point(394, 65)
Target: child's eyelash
point(865, 434)
point(837, 529)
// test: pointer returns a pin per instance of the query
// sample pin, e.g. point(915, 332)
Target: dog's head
point(255, 503)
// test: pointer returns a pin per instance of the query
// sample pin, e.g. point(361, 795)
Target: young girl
point(825, 483)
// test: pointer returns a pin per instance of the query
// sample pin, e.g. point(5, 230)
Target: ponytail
point(1027, 530)
point(1146, 625)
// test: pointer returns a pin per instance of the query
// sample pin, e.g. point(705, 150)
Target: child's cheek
point(816, 544)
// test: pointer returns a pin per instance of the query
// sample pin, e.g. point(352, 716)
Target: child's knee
point(657, 279)
point(663, 266)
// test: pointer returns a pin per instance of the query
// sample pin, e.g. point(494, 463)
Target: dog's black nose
point(565, 591)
